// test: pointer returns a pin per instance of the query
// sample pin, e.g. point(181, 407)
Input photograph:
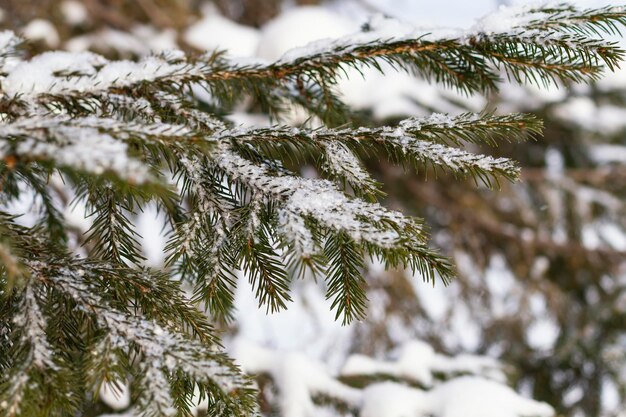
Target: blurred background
point(541, 263)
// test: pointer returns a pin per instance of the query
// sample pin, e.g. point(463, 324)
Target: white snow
point(502, 284)
point(214, 31)
point(8, 39)
point(426, 13)
point(307, 326)
point(89, 72)
point(505, 19)
point(542, 334)
point(418, 362)
point(584, 113)
point(299, 26)
point(42, 30)
point(343, 162)
point(141, 40)
point(614, 235)
point(74, 12)
point(299, 379)
point(605, 153)
point(460, 397)
point(81, 147)
point(390, 399)
point(37, 75)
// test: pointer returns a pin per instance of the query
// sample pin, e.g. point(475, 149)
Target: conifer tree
point(79, 311)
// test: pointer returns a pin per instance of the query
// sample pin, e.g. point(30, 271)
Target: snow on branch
point(530, 45)
point(138, 314)
point(311, 211)
point(60, 72)
point(412, 138)
point(81, 148)
point(418, 363)
point(96, 145)
point(342, 163)
point(305, 388)
point(32, 323)
point(460, 397)
point(163, 349)
point(564, 17)
point(320, 200)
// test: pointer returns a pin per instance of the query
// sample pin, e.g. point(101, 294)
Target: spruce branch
point(169, 340)
point(422, 140)
point(564, 17)
point(532, 51)
point(317, 204)
point(124, 134)
point(346, 286)
point(528, 54)
point(112, 234)
point(268, 277)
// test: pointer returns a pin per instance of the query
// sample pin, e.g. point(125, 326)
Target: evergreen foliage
point(81, 310)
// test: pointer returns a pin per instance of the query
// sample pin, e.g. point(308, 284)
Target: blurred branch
point(110, 15)
point(491, 225)
point(595, 176)
point(154, 13)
